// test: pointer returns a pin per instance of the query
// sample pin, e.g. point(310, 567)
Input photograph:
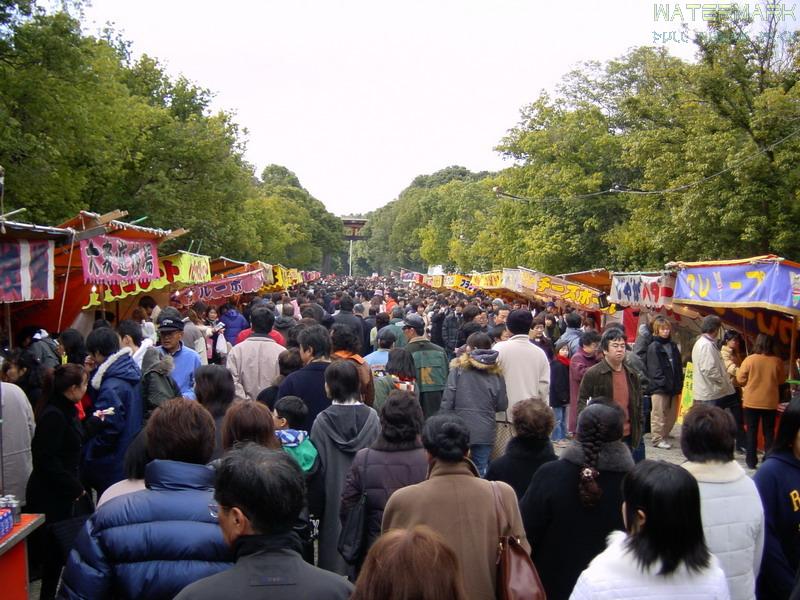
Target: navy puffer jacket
point(149, 544)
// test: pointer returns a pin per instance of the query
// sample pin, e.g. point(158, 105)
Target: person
point(662, 553)
point(416, 563)
point(215, 390)
point(560, 391)
point(760, 376)
point(778, 482)
point(573, 503)
point(400, 374)
point(151, 312)
point(583, 359)
point(551, 328)
point(184, 360)
point(476, 391)
point(114, 386)
point(233, 321)
point(194, 335)
point(254, 362)
point(72, 347)
point(346, 316)
point(377, 360)
point(470, 324)
point(338, 433)
point(136, 459)
point(289, 361)
point(18, 427)
point(344, 346)
point(396, 459)
point(665, 372)
point(572, 333)
point(450, 328)
point(24, 370)
point(612, 378)
point(308, 383)
point(258, 493)
point(710, 381)
point(732, 515)
point(530, 448)
point(525, 367)
point(458, 505)
point(539, 338)
point(430, 362)
point(40, 345)
point(216, 344)
point(130, 334)
point(153, 543)
point(248, 421)
point(731, 352)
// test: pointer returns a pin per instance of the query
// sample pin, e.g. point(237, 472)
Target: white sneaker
point(664, 445)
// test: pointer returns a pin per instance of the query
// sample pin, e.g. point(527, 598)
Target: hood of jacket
point(163, 365)
point(786, 457)
point(481, 360)
point(613, 456)
point(283, 323)
point(119, 365)
point(349, 426)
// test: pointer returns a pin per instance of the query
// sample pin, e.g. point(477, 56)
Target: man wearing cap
point(430, 362)
point(185, 360)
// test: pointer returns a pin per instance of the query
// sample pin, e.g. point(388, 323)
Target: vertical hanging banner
point(113, 260)
point(26, 270)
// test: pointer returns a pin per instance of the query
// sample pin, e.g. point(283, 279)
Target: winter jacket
point(185, 362)
point(114, 384)
point(338, 433)
point(366, 385)
point(709, 380)
point(431, 364)
point(234, 323)
point(437, 326)
point(44, 350)
point(545, 344)
point(158, 386)
point(761, 377)
point(450, 328)
point(460, 507)
point(598, 381)
point(253, 365)
point(525, 369)
point(733, 522)
point(378, 472)
point(522, 459)
point(664, 368)
point(643, 340)
point(384, 386)
point(308, 383)
point(356, 324)
point(615, 574)
point(732, 361)
point(18, 431)
point(149, 544)
point(578, 365)
point(269, 566)
point(559, 382)
point(778, 483)
point(475, 392)
point(566, 535)
point(572, 337)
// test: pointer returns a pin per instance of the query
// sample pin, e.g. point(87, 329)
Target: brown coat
point(459, 505)
point(760, 376)
point(364, 374)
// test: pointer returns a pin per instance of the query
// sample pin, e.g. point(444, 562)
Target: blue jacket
point(149, 544)
point(308, 383)
point(185, 362)
point(114, 384)
point(234, 324)
point(778, 483)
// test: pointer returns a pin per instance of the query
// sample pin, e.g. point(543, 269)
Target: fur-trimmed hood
point(120, 365)
point(480, 360)
point(614, 456)
point(715, 471)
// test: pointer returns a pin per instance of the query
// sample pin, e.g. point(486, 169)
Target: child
point(559, 391)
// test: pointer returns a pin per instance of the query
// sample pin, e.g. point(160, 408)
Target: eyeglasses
point(213, 510)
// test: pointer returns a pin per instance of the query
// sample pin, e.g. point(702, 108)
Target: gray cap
point(414, 321)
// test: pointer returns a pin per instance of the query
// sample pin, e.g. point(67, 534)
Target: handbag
point(517, 577)
point(503, 434)
point(353, 536)
point(64, 533)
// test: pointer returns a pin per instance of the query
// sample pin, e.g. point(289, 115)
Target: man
point(450, 328)
point(254, 363)
point(259, 494)
point(308, 383)
point(710, 381)
point(471, 324)
point(613, 379)
point(347, 317)
point(430, 361)
point(572, 335)
point(396, 327)
point(525, 365)
point(377, 360)
point(185, 360)
point(500, 313)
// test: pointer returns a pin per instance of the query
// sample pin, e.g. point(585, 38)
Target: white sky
point(358, 97)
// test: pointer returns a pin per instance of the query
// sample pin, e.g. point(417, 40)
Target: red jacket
point(246, 333)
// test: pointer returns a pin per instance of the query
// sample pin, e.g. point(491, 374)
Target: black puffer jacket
point(664, 367)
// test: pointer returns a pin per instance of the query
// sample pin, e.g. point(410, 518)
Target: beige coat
point(254, 365)
point(459, 505)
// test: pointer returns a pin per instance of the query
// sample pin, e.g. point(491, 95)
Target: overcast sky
point(358, 97)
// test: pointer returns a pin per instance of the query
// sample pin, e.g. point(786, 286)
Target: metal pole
point(350, 260)
point(793, 349)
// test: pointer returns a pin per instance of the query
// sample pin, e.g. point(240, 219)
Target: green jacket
point(431, 363)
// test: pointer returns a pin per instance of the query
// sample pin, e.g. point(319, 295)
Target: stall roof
point(225, 266)
point(766, 258)
point(96, 224)
point(600, 279)
point(28, 231)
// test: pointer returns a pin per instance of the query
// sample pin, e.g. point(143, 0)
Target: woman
point(662, 554)
point(248, 421)
point(760, 376)
point(395, 460)
point(338, 433)
point(216, 345)
point(214, 389)
point(539, 337)
point(72, 347)
point(665, 372)
point(401, 374)
point(560, 392)
point(732, 352)
point(458, 505)
point(415, 564)
point(530, 448)
point(25, 370)
point(572, 504)
point(778, 482)
point(136, 459)
point(54, 487)
point(345, 345)
point(475, 391)
point(732, 515)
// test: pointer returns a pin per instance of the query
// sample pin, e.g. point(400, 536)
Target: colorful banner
point(176, 268)
point(557, 288)
point(110, 260)
point(648, 291)
point(770, 285)
point(220, 289)
point(488, 281)
point(26, 270)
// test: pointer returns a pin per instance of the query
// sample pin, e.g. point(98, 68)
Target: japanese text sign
point(218, 289)
point(109, 260)
point(649, 291)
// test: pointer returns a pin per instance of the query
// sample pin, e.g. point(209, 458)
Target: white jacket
point(18, 428)
point(733, 522)
point(710, 380)
point(525, 369)
point(615, 575)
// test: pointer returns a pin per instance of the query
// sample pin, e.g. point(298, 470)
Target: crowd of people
point(345, 440)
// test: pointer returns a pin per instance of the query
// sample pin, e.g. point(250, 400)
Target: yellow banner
point(182, 268)
point(487, 281)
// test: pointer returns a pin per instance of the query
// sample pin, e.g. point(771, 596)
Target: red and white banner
point(113, 260)
point(26, 270)
point(218, 289)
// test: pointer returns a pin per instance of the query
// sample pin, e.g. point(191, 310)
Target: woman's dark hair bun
point(446, 437)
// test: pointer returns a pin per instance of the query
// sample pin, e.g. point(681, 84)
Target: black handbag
point(353, 537)
point(64, 533)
